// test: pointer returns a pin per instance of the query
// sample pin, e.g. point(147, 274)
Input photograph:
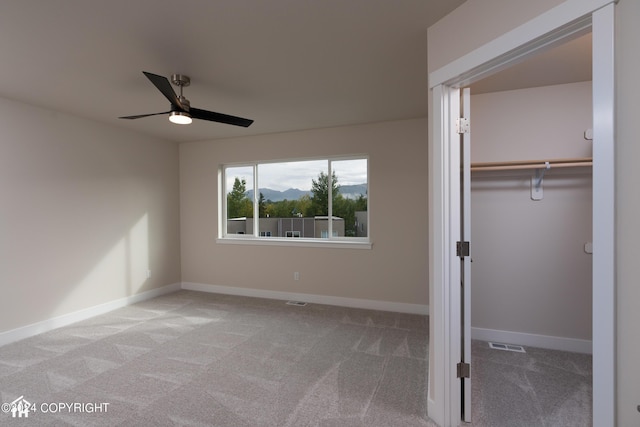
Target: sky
point(282, 176)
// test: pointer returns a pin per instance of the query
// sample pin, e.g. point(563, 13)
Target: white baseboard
point(398, 307)
point(67, 319)
point(533, 340)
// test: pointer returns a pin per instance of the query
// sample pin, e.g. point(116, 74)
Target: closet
point(531, 271)
point(531, 216)
point(531, 233)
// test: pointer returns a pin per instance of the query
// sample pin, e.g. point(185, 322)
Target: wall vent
point(298, 303)
point(507, 347)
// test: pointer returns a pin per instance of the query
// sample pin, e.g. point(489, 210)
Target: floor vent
point(298, 303)
point(507, 347)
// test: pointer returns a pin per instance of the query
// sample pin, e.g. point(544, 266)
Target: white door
point(465, 255)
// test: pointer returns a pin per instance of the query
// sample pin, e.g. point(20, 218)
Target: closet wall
point(530, 274)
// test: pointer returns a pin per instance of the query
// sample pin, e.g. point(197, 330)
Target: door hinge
point(462, 249)
point(463, 125)
point(463, 370)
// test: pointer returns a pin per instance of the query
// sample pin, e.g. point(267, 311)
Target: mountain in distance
point(278, 196)
point(347, 191)
point(353, 191)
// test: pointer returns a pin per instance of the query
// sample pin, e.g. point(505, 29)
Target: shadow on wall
point(125, 267)
point(64, 268)
point(86, 211)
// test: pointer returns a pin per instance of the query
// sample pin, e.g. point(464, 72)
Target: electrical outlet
point(296, 275)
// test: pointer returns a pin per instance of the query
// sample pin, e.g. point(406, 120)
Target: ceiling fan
point(181, 111)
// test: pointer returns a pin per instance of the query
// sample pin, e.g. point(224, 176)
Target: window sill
point(294, 242)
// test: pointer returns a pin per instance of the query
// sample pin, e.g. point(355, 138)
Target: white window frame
point(256, 239)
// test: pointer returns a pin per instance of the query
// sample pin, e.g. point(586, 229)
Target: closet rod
point(531, 164)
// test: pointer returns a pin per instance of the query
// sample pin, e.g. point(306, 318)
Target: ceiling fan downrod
point(181, 81)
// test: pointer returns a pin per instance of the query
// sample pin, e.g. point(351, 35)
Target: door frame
point(567, 20)
point(465, 236)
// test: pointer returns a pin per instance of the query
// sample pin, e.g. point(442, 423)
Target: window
point(314, 200)
point(325, 234)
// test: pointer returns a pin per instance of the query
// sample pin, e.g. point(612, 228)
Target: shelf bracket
point(536, 182)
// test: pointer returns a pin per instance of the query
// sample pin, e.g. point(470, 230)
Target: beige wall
point(86, 209)
point(530, 272)
point(446, 44)
point(395, 269)
point(628, 211)
point(475, 23)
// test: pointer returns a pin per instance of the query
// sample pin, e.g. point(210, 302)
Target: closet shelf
point(532, 164)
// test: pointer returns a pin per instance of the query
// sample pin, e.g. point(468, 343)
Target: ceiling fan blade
point(139, 116)
point(197, 113)
point(163, 85)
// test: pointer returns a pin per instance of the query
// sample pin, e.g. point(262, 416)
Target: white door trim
point(545, 30)
point(604, 275)
point(440, 251)
point(552, 27)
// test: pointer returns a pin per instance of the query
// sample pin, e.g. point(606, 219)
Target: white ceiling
point(287, 64)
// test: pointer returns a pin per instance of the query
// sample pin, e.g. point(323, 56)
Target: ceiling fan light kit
point(181, 111)
point(180, 118)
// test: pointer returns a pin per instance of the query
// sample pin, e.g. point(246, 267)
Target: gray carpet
point(197, 359)
point(537, 388)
